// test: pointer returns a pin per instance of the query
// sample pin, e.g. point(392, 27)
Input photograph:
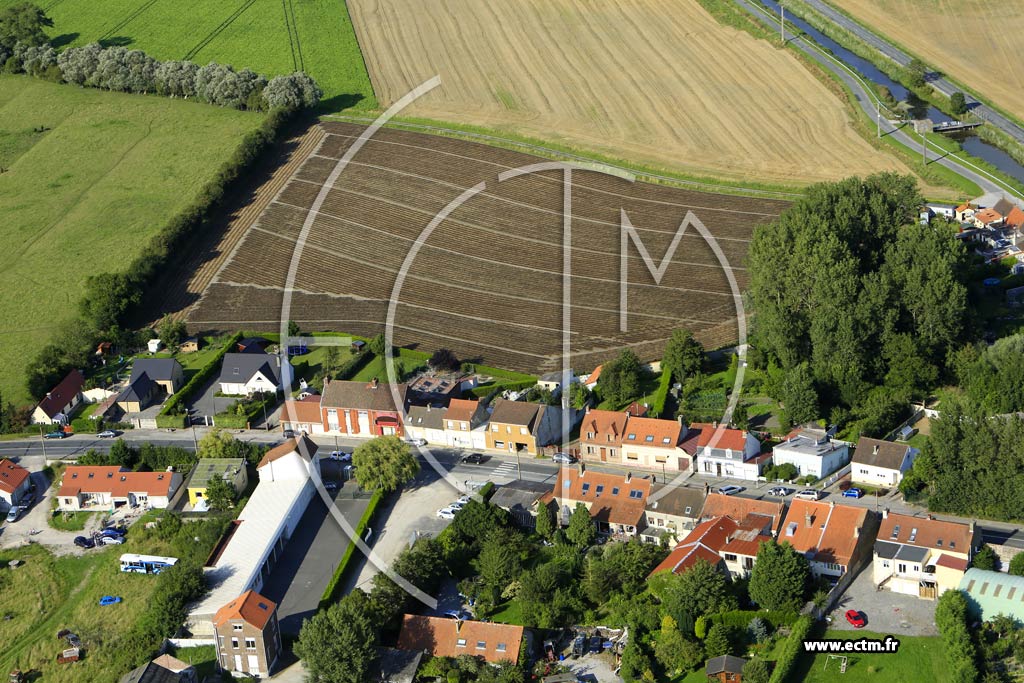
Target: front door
point(254, 664)
point(718, 468)
point(604, 454)
point(238, 663)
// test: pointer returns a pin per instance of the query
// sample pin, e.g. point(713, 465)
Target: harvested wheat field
point(487, 283)
point(659, 82)
point(977, 42)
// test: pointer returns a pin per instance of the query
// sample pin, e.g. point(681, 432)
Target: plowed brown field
point(488, 281)
point(654, 81)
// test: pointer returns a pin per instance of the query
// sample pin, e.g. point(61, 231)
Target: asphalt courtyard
point(886, 612)
point(298, 580)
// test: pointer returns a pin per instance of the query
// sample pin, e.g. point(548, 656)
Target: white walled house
point(813, 452)
point(58, 404)
point(87, 487)
point(725, 452)
point(243, 374)
point(920, 556)
point(427, 423)
point(15, 482)
point(881, 463)
point(465, 424)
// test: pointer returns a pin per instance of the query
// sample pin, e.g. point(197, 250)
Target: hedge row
point(791, 650)
point(488, 389)
point(175, 404)
point(661, 395)
point(334, 586)
point(741, 618)
point(235, 421)
point(951, 620)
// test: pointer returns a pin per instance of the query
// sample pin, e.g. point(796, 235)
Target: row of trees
point(855, 302)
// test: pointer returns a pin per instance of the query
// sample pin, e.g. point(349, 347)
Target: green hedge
point(175, 404)
point(487, 389)
point(661, 395)
point(334, 586)
point(741, 618)
point(170, 421)
point(791, 650)
point(232, 420)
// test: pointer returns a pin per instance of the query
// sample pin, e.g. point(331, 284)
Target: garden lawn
point(918, 659)
point(70, 521)
point(86, 195)
point(271, 37)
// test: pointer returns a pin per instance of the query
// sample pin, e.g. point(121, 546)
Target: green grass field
point(271, 37)
point(82, 197)
point(918, 659)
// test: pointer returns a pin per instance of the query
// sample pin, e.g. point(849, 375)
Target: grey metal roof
point(208, 468)
point(680, 501)
point(991, 593)
point(519, 495)
point(886, 550)
point(911, 553)
point(239, 368)
point(138, 389)
point(158, 369)
point(729, 663)
point(425, 417)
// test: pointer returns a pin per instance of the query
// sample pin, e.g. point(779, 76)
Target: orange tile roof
point(117, 481)
point(649, 431)
point(461, 409)
point(965, 206)
point(302, 445)
point(63, 393)
point(595, 375)
point(738, 507)
point(305, 410)
point(442, 637)
point(710, 539)
point(603, 423)
point(11, 476)
point(928, 533)
point(1015, 218)
point(719, 437)
point(987, 216)
point(250, 607)
point(832, 533)
point(614, 504)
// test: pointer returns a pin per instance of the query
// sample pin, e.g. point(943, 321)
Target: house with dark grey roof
point(673, 511)
point(881, 463)
point(140, 393)
point(242, 374)
point(425, 422)
point(365, 409)
point(166, 372)
point(520, 499)
point(725, 669)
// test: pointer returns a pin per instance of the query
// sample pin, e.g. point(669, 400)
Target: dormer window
point(896, 531)
point(913, 534)
point(599, 489)
point(615, 490)
point(666, 440)
point(586, 488)
point(636, 494)
point(938, 543)
point(649, 438)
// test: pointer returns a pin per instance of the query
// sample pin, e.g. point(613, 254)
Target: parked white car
point(340, 456)
point(111, 540)
point(730, 489)
point(809, 494)
point(416, 442)
point(446, 513)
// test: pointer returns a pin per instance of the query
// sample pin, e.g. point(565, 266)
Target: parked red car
point(855, 618)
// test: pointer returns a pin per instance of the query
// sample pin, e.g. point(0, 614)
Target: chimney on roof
point(808, 519)
point(856, 532)
point(681, 423)
point(629, 477)
point(374, 382)
point(47, 394)
point(831, 503)
point(714, 424)
point(885, 512)
point(458, 625)
point(582, 469)
point(971, 526)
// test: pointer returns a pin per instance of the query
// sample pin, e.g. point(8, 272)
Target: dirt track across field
point(976, 42)
point(488, 281)
point(654, 81)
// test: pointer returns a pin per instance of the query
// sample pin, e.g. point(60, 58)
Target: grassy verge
point(331, 592)
point(70, 521)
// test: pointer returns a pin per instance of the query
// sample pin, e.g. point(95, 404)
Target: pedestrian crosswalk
point(505, 469)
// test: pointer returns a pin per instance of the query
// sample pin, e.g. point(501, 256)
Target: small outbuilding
point(725, 669)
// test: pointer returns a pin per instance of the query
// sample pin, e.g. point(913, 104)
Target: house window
point(451, 425)
point(730, 558)
point(508, 429)
point(221, 640)
point(649, 438)
point(611, 452)
point(499, 444)
point(631, 437)
point(481, 645)
point(494, 428)
point(636, 494)
point(661, 522)
point(863, 471)
point(501, 647)
point(461, 642)
point(600, 488)
point(590, 435)
point(463, 425)
point(250, 643)
point(522, 430)
point(661, 458)
point(236, 627)
point(234, 643)
point(590, 450)
point(615, 490)
point(687, 511)
point(632, 456)
point(586, 487)
point(885, 564)
point(913, 535)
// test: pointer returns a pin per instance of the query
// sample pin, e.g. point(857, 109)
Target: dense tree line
point(846, 281)
point(992, 377)
point(621, 379)
point(972, 464)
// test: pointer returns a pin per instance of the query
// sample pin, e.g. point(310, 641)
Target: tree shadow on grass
point(340, 102)
point(116, 41)
point(64, 39)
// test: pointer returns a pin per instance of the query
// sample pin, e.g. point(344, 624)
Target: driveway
point(208, 403)
point(886, 612)
point(301, 575)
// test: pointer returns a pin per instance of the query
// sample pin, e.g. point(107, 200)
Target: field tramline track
point(210, 37)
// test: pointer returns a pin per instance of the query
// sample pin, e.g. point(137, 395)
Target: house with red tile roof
point(248, 635)
point(722, 451)
point(987, 218)
point(601, 435)
point(832, 537)
point(655, 444)
point(302, 415)
point(616, 502)
point(921, 556)
point(590, 381)
point(740, 507)
point(443, 637)
point(723, 542)
point(94, 487)
point(15, 482)
point(1015, 219)
point(465, 424)
point(59, 402)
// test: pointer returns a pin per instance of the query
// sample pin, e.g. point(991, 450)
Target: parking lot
point(886, 612)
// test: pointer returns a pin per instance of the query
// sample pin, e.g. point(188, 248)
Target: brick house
point(601, 435)
point(723, 542)
point(520, 426)
point(832, 537)
point(465, 424)
point(364, 409)
point(443, 637)
point(248, 635)
point(616, 503)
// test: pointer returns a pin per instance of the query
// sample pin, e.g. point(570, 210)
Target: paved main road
point(902, 58)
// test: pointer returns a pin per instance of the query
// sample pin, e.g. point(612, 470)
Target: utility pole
point(519, 466)
point(43, 442)
point(194, 441)
point(924, 150)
